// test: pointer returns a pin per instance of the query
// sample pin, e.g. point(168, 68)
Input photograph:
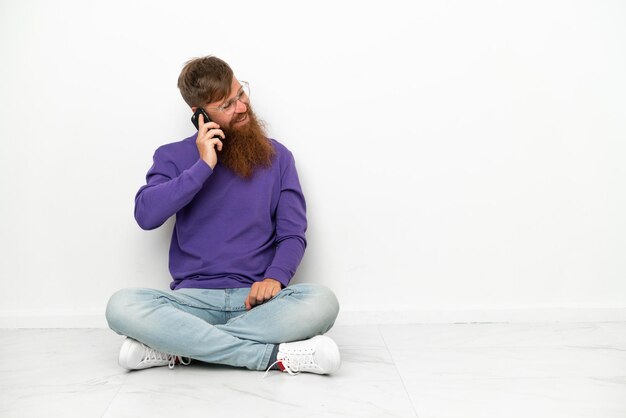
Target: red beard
point(246, 147)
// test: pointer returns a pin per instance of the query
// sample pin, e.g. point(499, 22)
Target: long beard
point(246, 147)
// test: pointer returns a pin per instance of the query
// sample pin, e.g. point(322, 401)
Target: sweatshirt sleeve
point(291, 225)
point(167, 191)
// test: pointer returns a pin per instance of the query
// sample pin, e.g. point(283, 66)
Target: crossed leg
point(196, 323)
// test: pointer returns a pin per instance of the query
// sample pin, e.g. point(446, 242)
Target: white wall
point(461, 160)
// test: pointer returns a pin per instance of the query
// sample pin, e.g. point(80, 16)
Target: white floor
point(464, 370)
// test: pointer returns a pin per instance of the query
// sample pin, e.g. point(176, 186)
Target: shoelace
point(180, 360)
point(296, 361)
point(154, 355)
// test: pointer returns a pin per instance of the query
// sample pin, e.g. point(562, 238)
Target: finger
point(275, 291)
point(215, 141)
point(213, 133)
point(248, 306)
point(252, 296)
point(268, 293)
point(209, 125)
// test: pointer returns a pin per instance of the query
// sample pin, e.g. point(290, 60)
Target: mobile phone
point(196, 116)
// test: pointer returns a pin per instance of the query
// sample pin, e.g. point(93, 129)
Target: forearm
point(289, 253)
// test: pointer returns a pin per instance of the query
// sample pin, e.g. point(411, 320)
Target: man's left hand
point(261, 292)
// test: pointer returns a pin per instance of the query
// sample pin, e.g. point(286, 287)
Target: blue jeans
point(212, 325)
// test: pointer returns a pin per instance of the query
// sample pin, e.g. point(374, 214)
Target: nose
point(240, 107)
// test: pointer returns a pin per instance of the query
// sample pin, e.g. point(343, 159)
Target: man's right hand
point(207, 141)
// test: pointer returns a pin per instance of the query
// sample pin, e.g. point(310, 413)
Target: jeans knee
point(324, 304)
point(118, 308)
point(331, 310)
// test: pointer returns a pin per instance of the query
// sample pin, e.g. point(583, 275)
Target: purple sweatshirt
point(229, 232)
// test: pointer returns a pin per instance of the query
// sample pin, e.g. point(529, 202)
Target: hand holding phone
point(208, 140)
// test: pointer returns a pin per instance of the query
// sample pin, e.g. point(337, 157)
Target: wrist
point(274, 281)
point(210, 163)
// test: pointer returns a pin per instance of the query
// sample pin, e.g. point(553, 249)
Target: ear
point(193, 109)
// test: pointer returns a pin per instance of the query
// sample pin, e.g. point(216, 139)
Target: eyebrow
point(233, 98)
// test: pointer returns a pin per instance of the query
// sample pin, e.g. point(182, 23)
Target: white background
point(460, 160)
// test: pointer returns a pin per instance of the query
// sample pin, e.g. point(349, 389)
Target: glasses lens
point(245, 97)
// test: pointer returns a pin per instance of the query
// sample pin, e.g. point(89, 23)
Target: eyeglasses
point(229, 106)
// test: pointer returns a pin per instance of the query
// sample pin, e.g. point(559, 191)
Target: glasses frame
point(245, 89)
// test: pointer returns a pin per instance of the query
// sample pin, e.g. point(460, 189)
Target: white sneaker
point(135, 356)
point(319, 355)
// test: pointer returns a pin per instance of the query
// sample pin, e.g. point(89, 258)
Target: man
point(238, 239)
